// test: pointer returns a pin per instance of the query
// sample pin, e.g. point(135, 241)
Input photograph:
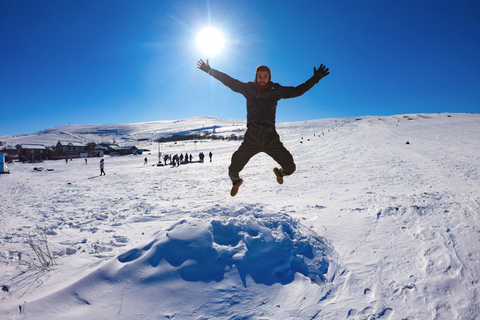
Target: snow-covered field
point(369, 227)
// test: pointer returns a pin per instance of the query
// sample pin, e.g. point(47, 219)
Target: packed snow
point(380, 221)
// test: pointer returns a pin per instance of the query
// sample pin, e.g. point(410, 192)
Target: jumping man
point(262, 96)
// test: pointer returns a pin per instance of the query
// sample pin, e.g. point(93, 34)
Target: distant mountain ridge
point(127, 133)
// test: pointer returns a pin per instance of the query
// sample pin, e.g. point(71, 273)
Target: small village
point(69, 150)
point(64, 150)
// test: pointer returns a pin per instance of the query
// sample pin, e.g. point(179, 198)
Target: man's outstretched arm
point(318, 74)
point(230, 82)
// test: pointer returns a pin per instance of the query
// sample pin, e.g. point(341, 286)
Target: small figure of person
point(176, 160)
point(210, 155)
point(86, 161)
point(145, 161)
point(102, 166)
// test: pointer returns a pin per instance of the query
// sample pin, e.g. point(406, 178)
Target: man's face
point(262, 77)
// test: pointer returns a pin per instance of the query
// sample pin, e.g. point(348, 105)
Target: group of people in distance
point(177, 160)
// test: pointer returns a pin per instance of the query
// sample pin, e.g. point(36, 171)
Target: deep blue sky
point(112, 61)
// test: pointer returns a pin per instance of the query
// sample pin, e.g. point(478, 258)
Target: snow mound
point(269, 249)
point(230, 266)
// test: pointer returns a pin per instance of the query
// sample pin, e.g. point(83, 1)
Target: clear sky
point(114, 61)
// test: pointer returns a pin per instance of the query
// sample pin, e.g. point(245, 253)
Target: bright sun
point(210, 41)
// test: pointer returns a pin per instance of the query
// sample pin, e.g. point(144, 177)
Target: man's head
point(262, 75)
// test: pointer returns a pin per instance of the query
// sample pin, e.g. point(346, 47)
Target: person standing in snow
point(210, 155)
point(262, 97)
point(176, 160)
point(102, 165)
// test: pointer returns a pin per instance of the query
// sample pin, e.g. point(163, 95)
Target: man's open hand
point(319, 73)
point(203, 66)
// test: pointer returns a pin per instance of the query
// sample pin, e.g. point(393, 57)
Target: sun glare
point(210, 41)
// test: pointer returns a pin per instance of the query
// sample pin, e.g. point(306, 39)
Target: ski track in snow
point(392, 229)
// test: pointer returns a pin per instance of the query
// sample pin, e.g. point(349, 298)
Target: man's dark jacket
point(262, 104)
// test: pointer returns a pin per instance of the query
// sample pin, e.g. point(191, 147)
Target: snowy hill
point(368, 227)
point(127, 133)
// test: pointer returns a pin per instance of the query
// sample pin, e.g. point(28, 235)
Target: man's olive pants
point(258, 139)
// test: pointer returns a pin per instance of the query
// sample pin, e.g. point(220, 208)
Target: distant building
point(125, 150)
point(109, 147)
point(32, 152)
point(70, 149)
point(11, 153)
point(94, 150)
